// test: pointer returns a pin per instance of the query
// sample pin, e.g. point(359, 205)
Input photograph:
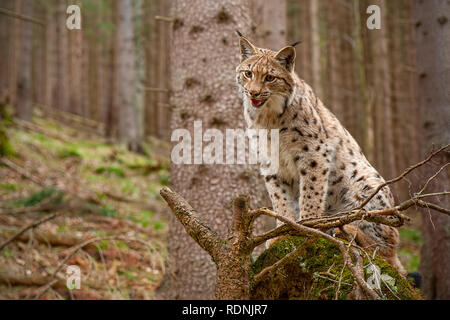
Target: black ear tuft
point(239, 33)
point(296, 43)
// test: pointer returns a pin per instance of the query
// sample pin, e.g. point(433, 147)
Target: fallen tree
point(310, 264)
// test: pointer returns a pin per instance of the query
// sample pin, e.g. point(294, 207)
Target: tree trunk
point(60, 83)
point(315, 47)
point(129, 131)
point(269, 19)
point(433, 32)
point(24, 80)
point(203, 61)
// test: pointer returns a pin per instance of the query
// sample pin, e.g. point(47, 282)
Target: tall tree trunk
point(76, 69)
point(6, 51)
point(15, 54)
point(269, 19)
point(433, 60)
point(24, 79)
point(61, 84)
point(129, 131)
point(149, 35)
point(112, 115)
point(203, 61)
point(315, 47)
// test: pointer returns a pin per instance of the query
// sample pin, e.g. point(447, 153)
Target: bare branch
point(401, 176)
point(208, 239)
point(26, 228)
point(432, 177)
point(22, 17)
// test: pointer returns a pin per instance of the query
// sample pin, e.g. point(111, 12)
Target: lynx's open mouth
point(257, 103)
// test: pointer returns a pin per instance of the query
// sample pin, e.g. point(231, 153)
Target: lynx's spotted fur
point(322, 170)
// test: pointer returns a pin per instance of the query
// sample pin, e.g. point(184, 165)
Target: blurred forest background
point(86, 117)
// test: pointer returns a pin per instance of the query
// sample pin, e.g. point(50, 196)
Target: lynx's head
point(265, 76)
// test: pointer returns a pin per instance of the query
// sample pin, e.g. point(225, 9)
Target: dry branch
point(22, 17)
point(28, 227)
point(411, 168)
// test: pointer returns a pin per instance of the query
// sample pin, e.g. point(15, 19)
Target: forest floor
point(104, 214)
point(109, 218)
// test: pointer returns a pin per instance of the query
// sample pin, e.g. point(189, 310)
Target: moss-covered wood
point(314, 273)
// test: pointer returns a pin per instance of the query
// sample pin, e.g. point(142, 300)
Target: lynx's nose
point(255, 93)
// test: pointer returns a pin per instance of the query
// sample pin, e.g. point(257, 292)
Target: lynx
point(322, 169)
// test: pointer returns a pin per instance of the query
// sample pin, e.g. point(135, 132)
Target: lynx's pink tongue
point(257, 103)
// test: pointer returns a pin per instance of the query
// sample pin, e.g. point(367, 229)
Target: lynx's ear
point(247, 49)
point(286, 57)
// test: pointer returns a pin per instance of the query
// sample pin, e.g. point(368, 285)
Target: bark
point(315, 47)
point(433, 60)
point(162, 105)
point(6, 51)
point(269, 20)
point(129, 131)
point(149, 35)
point(112, 113)
point(24, 81)
point(60, 81)
point(203, 61)
point(15, 54)
point(76, 69)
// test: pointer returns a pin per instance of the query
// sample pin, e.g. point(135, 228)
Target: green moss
point(40, 196)
point(315, 272)
point(69, 153)
point(111, 170)
point(6, 148)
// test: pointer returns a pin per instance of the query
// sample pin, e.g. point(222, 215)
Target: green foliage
point(10, 186)
point(158, 225)
point(410, 235)
point(111, 171)
point(40, 196)
point(411, 260)
point(71, 152)
point(164, 178)
point(108, 211)
point(6, 148)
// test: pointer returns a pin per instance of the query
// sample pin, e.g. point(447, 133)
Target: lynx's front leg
point(314, 175)
point(282, 197)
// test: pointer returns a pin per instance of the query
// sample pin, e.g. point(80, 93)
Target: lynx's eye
point(269, 78)
point(248, 74)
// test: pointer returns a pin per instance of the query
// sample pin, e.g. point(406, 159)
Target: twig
point(45, 288)
point(373, 194)
point(30, 226)
point(21, 171)
point(22, 17)
point(432, 177)
point(433, 206)
point(286, 259)
point(208, 239)
point(156, 89)
point(165, 19)
point(427, 195)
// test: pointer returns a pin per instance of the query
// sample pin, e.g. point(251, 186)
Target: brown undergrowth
point(80, 201)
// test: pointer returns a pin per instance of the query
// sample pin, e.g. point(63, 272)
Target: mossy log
point(315, 272)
